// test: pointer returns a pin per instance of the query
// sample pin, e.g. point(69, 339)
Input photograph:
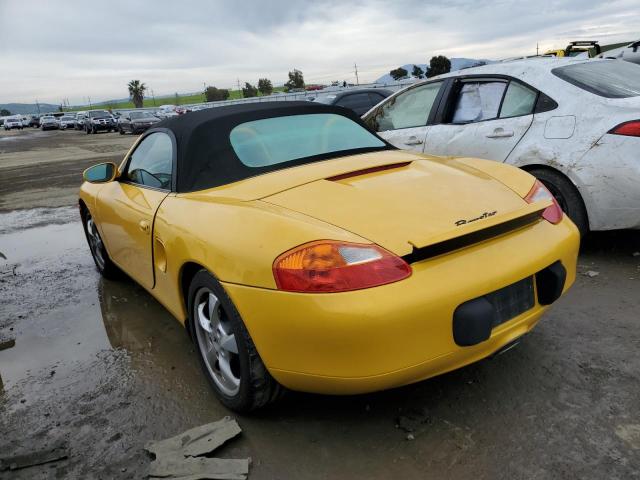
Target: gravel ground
point(102, 366)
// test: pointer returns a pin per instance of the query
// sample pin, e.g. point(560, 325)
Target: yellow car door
point(127, 207)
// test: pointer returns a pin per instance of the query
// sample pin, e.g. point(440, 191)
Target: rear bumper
point(103, 127)
point(401, 333)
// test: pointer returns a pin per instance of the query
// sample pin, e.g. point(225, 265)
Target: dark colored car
point(34, 121)
point(98, 120)
point(136, 122)
point(360, 100)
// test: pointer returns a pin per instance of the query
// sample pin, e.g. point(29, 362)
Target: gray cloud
point(72, 49)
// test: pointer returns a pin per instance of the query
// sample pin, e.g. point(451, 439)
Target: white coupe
point(574, 124)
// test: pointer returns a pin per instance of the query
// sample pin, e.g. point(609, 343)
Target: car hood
point(409, 203)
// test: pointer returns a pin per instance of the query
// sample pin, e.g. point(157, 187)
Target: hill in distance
point(456, 64)
point(28, 108)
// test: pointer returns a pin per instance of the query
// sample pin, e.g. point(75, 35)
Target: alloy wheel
point(217, 342)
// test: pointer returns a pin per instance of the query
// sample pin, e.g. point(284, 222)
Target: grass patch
point(164, 100)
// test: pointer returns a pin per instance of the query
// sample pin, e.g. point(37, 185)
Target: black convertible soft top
point(205, 157)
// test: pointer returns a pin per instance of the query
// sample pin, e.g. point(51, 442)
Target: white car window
point(409, 109)
point(478, 101)
point(519, 100)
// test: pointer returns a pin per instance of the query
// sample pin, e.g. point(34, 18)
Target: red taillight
point(331, 266)
point(552, 213)
point(630, 129)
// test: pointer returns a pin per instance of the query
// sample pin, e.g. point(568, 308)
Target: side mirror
point(101, 173)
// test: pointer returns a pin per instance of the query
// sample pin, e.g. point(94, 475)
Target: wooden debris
point(198, 440)
point(6, 342)
point(177, 458)
point(59, 452)
point(177, 467)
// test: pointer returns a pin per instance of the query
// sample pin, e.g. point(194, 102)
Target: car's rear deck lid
point(411, 206)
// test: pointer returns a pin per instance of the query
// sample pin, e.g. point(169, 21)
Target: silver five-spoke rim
point(95, 242)
point(216, 342)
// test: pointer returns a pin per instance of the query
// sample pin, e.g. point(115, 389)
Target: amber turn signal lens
point(553, 213)
point(331, 266)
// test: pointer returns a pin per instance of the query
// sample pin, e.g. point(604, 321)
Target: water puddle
point(37, 217)
point(65, 317)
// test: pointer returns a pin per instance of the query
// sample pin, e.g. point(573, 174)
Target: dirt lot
point(104, 367)
point(44, 169)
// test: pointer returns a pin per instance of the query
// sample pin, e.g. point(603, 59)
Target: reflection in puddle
point(65, 318)
point(135, 321)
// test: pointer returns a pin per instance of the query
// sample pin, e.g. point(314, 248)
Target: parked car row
point(573, 123)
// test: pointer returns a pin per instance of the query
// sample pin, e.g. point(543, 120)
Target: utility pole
point(89, 98)
point(239, 89)
point(355, 66)
point(154, 97)
point(38, 106)
point(537, 49)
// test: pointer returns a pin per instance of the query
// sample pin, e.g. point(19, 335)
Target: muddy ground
point(102, 366)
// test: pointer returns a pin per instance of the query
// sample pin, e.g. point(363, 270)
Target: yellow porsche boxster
point(303, 251)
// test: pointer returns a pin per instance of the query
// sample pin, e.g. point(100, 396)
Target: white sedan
point(574, 124)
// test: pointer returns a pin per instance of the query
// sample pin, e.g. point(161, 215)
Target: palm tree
point(136, 92)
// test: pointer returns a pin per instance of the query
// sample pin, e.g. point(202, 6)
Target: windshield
point(47, 118)
point(99, 113)
point(610, 78)
point(67, 118)
point(271, 141)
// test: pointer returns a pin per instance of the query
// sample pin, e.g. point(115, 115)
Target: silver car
point(67, 122)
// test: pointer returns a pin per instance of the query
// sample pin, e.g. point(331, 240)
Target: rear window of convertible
point(609, 78)
point(270, 141)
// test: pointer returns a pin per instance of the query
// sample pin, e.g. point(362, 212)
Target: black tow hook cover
point(473, 321)
point(550, 283)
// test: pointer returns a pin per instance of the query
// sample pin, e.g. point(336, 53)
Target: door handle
point(500, 133)
point(413, 141)
point(144, 226)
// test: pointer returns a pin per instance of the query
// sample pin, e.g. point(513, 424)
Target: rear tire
point(567, 196)
point(244, 384)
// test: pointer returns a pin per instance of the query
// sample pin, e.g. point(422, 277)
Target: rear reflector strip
point(365, 171)
point(478, 236)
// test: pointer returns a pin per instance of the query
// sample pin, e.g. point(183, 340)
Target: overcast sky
point(73, 49)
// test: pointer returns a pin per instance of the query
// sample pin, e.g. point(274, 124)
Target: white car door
point(485, 118)
point(402, 119)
